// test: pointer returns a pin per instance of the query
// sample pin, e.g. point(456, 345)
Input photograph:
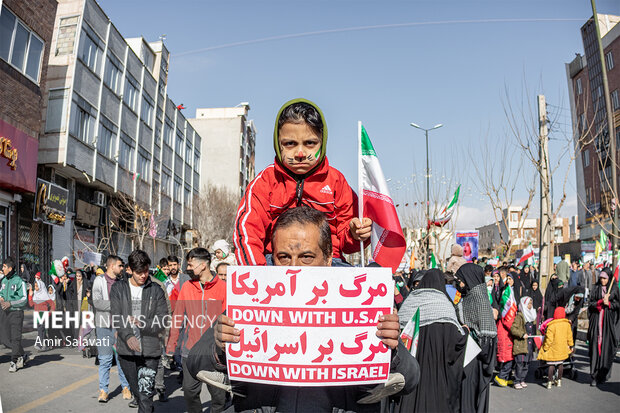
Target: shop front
point(18, 178)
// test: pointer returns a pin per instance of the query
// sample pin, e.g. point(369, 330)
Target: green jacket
point(519, 345)
point(13, 290)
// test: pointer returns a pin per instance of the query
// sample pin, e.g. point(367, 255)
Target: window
point(126, 151)
point(20, 46)
point(177, 189)
point(582, 122)
point(166, 178)
point(586, 157)
point(615, 101)
point(579, 86)
point(179, 143)
point(130, 96)
point(529, 234)
point(106, 138)
point(609, 58)
point(144, 164)
point(188, 153)
point(104, 141)
point(187, 196)
point(147, 110)
point(65, 41)
point(90, 52)
point(57, 103)
point(196, 160)
point(514, 216)
point(83, 120)
point(113, 74)
point(558, 234)
point(168, 133)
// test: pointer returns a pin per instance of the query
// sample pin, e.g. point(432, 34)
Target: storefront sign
point(18, 159)
point(308, 326)
point(87, 213)
point(50, 205)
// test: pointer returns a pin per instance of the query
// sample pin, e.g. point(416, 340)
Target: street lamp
point(428, 175)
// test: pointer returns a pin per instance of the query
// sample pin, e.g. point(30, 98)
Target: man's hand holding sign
point(305, 324)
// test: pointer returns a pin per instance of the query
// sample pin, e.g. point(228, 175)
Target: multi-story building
point(114, 139)
point(26, 28)
point(589, 118)
point(228, 141)
point(520, 230)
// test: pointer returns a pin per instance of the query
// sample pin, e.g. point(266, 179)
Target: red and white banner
point(308, 326)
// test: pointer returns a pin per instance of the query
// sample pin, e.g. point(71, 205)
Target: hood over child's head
point(300, 136)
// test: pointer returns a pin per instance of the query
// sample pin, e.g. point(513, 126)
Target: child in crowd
point(523, 346)
point(40, 300)
point(557, 346)
point(300, 175)
point(221, 248)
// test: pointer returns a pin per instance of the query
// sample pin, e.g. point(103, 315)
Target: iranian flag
point(508, 305)
point(527, 254)
point(387, 239)
point(433, 261)
point(411, 333)
point(446, 213)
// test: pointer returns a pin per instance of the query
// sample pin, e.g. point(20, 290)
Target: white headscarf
point(42, 295)
point(528, 313)
point(53, 295)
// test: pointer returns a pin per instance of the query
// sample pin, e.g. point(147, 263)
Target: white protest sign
point(308, 326)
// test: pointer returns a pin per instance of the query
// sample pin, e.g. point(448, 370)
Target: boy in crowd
point(300, 175)
point(13, 299)
point(143, 303)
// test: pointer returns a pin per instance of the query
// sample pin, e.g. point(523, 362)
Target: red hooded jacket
point(275, 190)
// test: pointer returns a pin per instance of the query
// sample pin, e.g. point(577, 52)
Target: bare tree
point(136, 220)
point(214, 214)
point(502, 173)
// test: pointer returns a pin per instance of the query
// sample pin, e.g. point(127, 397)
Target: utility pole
point(612, 141)
point(545, 250)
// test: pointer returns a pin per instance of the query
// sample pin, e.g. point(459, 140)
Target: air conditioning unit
point(100, 198)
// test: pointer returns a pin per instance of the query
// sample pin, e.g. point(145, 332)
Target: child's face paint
point(300, 147)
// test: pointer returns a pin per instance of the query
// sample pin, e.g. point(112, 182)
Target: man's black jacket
point(153, 309)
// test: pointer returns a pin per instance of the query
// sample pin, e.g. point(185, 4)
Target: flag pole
point(360, 193)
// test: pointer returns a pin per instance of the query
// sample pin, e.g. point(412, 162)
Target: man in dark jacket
point(301, 237)
point(138, 307)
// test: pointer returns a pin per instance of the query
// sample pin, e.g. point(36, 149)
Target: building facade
point(114, 140)
point(228, 142)
point(521, 231)
point(589, 119)
point(26, 28)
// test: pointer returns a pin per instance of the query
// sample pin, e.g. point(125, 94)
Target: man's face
point(140, 277)
point(300, 147)
point(221, 272)
point(196, 266)
point(173, 268)
point(298, 245)
point(6, 269)
point(116, 268)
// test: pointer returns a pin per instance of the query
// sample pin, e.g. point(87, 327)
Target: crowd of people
point(300, 211)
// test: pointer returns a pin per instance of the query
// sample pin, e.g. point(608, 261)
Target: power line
point(361, 28)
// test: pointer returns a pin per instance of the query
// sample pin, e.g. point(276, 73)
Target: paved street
point(55, 382)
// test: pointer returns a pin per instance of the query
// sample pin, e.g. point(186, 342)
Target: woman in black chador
point(440, 348)
point(474, 311)
point(603, 309)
